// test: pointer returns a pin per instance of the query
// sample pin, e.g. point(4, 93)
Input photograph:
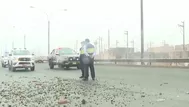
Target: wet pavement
point(116, 86)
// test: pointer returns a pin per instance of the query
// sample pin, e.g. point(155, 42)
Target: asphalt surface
point(116, 86)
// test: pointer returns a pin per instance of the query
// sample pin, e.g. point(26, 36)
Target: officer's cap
point(87, 40)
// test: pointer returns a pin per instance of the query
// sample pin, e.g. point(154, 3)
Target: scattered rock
point(63, 101)
point(36, 92)
point(83, 101)
point(160, 100)
point(142, 96)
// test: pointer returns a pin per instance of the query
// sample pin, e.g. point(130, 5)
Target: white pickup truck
point(21, 58)
point(64, 58)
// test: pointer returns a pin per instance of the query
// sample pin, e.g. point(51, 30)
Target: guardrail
point(144, 60)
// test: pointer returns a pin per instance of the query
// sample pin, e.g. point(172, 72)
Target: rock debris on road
point(39, 93)
point(114, 87)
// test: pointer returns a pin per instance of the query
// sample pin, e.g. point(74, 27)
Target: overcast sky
point(90, 19)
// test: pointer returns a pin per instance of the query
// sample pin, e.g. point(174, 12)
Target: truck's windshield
point(21, 52)
point(67, 51)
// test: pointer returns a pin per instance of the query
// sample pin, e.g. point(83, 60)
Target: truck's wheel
point(32, 68)
point(78, 67)
point(67, 67)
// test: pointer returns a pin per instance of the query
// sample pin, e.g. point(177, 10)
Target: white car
point(4, 61)
point(21, 58)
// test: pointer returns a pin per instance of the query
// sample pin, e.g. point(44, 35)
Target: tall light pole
point(117, 43)
point(142, 31)
point(108, 39)
point(24, 41)
point(48, 24)
point(183, 34)
point(126, 33)
point(133, 45)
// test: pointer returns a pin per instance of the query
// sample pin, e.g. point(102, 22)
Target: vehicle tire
point(67, 67)
point(78, 67)
point(51, 65)
point(32, 68)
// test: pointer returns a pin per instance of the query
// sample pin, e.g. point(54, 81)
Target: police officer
point(81, 59)
point(88, 60)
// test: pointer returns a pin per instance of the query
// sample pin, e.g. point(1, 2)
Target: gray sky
point(90, 19)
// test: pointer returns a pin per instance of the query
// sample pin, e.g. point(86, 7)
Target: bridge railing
point(148, 62)
point(144, 60)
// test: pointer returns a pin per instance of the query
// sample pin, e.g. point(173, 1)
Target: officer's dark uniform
point(89, 62)
point(81, 62)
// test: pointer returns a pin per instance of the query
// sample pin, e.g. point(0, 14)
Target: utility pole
point(48, 36)
point(108, 39)
point(99, 45)
point(12, 44)
point(133, 45)
point(127, 49)
point(117, 43)
point(76, 45)
point(183, 34)
point(150, 48)
point(142, 31)
point(164, 43)
point(24, 41)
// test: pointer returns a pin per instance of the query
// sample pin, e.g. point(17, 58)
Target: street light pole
point(48, 36)
point(12, 44)
point(108, 39)
point(142, 32)
point(48, 27)
point(24, 41)
point(183, 34)
point(126, 33)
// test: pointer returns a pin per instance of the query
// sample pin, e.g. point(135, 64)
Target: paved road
point(116, 86)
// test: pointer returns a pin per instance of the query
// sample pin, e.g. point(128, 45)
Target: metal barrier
point(144, 60)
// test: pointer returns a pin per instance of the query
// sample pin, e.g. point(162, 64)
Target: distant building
point(161, 49)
